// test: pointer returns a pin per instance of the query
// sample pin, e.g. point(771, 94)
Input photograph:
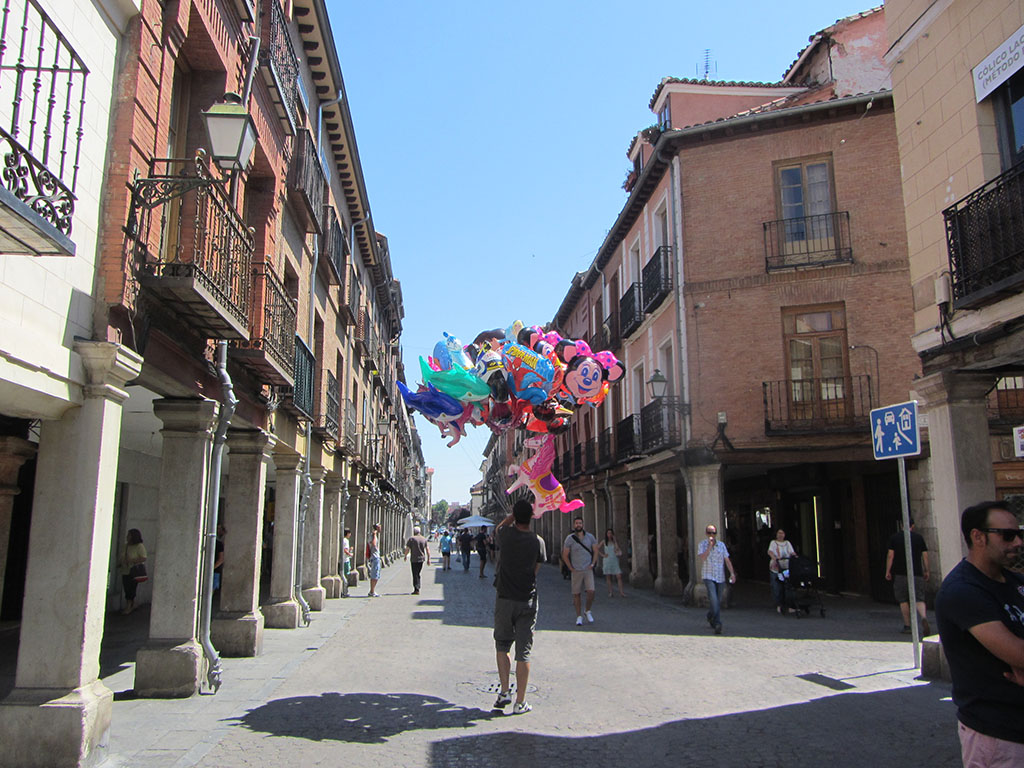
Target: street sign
point(894, 431)
point(1018, 442)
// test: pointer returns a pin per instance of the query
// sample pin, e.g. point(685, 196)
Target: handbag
point(138, 572)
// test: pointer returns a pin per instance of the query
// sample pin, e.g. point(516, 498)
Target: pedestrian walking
point(482, 549)
point(714, 558)
point(346, 560)
point(980, 614)
point(610, 553)
point(579, 553)
point(466, 546)
point(373, 559)
point(896, 572)
point(446, 550)
point(132, 567)
point(417, 551)
point(779, 552)
point(515, 605)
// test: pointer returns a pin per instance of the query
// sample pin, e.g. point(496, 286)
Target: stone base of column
point(46, 728)
point(331, 585)
point(169, 672)
point(282, 615)
point(668, 585)
point(641, 580)
point(314, 597)
point(237, 634)
point(361, 571)
point(353, 578)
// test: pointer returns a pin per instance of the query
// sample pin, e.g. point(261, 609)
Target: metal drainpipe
point(228, 403)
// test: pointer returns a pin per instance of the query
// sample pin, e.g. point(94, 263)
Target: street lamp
point(657, 385)
point(232, 133)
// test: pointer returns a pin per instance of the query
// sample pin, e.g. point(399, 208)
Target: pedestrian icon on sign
point(894, 431)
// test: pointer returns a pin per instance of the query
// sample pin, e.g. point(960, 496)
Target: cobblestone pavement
point(408, 680)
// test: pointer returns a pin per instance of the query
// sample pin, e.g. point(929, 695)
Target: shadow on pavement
point(840, 730)
point(364, 718)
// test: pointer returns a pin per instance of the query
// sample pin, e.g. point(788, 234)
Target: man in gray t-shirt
point(418, 547)
point(579, 553)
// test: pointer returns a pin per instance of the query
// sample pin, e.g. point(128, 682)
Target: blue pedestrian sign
point(894, 431)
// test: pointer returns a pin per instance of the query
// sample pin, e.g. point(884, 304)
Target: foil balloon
point(457, 382)
point(529, 375)
point(535, 474)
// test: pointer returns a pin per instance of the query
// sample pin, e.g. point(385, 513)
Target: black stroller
point(803, 591)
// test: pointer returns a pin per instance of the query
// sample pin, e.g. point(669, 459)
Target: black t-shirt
point(516, 577)
point(481, 543)
point(466, 541)
point(899, 560)
point(985, 700)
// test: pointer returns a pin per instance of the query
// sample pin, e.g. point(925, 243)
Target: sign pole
point(908, 553)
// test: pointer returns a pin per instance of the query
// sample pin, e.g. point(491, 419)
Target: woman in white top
point(779, 552)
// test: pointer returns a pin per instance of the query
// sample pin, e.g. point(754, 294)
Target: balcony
point(364, 330)
point(807, 241)
point(280, 65)
point(333, 249)
point(577, 460)
point(590, 457)
point(327, 422)
point(659, 424)
point(201, 266)
point(566, 465)
point(631, 316)
point(628, 443)
point(306, 182)
point(270, 349)
point(41, 140)
point(985, 236)
point(350, 441)
point(302, 399)
point(606, 448)
point(657, 277)
point(803, 406)
point(608, 337)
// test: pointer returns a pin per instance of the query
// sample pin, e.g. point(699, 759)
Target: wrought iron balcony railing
point(271, 344)
point(350, 441)
point(333, 247)
point(364, 330)
point(41, 128)
point(808, 241)
point(303, 393)
point(306, 180)
point(985, 236)
point(606, 448)
point(590, 457)
point(631, 315)
point(280, 64)
point(628, 438)
point(329, 418)
point(349, 309)
point(566, 465)
point(657, 277)
point(839, 404)
point(660, 426)
point(577, 460)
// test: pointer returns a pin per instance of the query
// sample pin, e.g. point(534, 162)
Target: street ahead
point(409, 681)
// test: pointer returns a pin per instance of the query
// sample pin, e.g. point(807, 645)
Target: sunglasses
point(1008, 534)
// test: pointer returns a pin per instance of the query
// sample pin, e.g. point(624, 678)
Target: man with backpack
point(580, 553)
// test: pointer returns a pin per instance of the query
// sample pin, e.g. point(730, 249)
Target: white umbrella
point(475, 521)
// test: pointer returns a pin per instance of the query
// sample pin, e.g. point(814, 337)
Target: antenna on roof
point(708, 66)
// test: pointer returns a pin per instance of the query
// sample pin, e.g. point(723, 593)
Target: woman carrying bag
point(779, 551)
point(133, 568)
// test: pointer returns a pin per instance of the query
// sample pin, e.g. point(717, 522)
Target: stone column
point(312, 542)
point(282, 610)
point(329, 578)
point(708, 507)
point(360, 524)
point(600, 513)
point(667, 581)
point(588, 513)
point(237, 629)
point(620, 519)
point(961, 459)
point(58, 713)
point(640, 573)
point(14, 452)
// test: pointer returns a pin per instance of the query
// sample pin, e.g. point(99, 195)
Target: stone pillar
point(640, 573)
point(708, 507)
point(667, 581)
point(237, 629)
point(58, 713)
point(312, 542)
point(600, 513)
point(961, 460)
point(14, 452)
point(329, 578)
point(620, 518)
point(360, 525)
point(282, 610)
point(588, 513)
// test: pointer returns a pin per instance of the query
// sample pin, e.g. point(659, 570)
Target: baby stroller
point(803, 586)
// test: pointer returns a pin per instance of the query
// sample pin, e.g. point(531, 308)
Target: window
point(662, 223)
point(665, 116)
point(1009, 106)
point(804, 194)
point(816, 361)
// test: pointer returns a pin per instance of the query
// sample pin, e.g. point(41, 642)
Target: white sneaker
point(521, 708)
point(590, 617)
point(579, 621)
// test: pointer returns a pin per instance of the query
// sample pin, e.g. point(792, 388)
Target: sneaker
point(926, 627)
point(521, 708)
point(590, 617)
point(906, 629)
point(415, 591)
point(579, 621)
point(503, 700)
point(718, 629)
point(375, 594)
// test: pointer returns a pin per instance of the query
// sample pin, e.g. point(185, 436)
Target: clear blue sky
point(493, 138)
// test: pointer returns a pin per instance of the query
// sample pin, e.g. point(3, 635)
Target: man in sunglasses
point(980, 613)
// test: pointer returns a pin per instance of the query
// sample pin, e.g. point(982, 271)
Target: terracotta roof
point(715, 83)
point(817, 36)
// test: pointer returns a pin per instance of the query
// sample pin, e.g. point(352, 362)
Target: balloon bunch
point(514, 378)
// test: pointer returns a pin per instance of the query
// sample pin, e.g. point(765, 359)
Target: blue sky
point(493, 135)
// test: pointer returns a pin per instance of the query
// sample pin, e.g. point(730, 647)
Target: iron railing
point(985, 236)
point(605, 448)
point(837, 404)
point(808, 241)
point(660, 427)
point(329, 422)
point(42, 125)
point(334, 245)
point(628, 434)
point(577, 460)
point(350, 441)
point(278, 58)
point(303, 394)
point(590, 457)
point(566, 464)
point(631, 315)
point(350, 304)
point(657, 278)
point(364, 330)
point(306, 179)
point(275, 336)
